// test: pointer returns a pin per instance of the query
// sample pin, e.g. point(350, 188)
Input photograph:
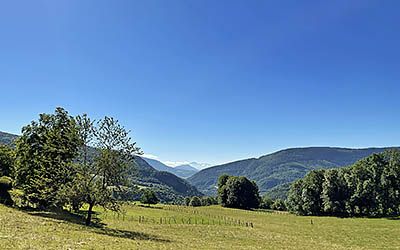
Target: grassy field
point(167, 227)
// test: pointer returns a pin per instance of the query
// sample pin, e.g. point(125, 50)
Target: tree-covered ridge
point(168, 186)
point(282, 167)
point(370, 187)
point(7, 138)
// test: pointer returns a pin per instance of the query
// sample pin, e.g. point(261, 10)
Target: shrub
point(266, 203)
point(195, 202)
point(149, 197)
point(5, 186)
point(279, 205)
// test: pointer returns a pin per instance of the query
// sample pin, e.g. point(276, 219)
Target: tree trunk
point(89, 215)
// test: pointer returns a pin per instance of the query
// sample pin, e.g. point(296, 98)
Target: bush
point(279, 205)
point(149, 197)
point(266, 203)
point(195, 202)
point(5, 186)
point(187, 201)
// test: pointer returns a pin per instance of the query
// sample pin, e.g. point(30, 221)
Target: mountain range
point(274, 172)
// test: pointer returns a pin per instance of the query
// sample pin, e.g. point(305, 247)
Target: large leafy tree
point(44, 157)
point(238, 192)
point(294, 200)
point(334, 192)
point(311, 192)
point(390, 182)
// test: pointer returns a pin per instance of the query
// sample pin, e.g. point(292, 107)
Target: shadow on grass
point(148, 206)
point(97, 226)
point(393, 218)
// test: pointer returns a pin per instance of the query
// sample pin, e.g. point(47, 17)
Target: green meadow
point(177, 227)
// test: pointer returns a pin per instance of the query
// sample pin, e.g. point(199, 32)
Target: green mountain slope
point(7, 139)
point(168, 186)
point(277, 169)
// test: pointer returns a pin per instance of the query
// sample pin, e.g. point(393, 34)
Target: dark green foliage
point(5, 186)
point(279, 168)
point(266, 202)
point(187, 201)
point(195, 202)
point(45, 154)
point(279, 205)
point(7, 160)
point(371, 187)
point(279, 192)
point(149, 197)
point(311, 192)
point(295, 199)
point(238, 192)
point(208, 201)
point(335, 192)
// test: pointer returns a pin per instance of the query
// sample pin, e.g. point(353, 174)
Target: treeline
point(370, 187)
point(237, 192)
point(61, 161)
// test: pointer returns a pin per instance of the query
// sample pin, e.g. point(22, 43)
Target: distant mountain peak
point(199, 166)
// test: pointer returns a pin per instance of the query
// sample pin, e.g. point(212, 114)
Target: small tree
point(195, 202)
point(101, 172)
point(149, 197)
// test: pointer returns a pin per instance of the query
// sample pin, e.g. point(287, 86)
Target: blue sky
point(208, 81)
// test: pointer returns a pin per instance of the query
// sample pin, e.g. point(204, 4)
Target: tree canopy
point(7, 160)
point(149, 197)
point(238, 192)
point(370, 187)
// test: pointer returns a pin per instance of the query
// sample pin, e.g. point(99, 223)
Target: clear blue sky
point(208, 81)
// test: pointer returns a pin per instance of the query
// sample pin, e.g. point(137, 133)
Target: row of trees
point(371, 187)
point(62, 160)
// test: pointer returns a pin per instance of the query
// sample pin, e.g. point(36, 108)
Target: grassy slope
point(23, 230)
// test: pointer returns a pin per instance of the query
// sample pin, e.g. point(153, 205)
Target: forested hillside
point(166, 184)
point(273, 171)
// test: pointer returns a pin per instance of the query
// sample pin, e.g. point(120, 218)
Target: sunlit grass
point(167, 227)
